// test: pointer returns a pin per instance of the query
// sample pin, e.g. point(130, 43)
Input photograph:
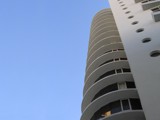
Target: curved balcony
point(100, 23)
point(101, 15)
point(105, 33)
point(100, 87)
point(100, 64)
point(102, 12)
point(104, 24)
point(102, 30)
point(106, 71)
point(104, 16)
point(97, 18)
point(100, 26)
point(105, 63)
point(106, 99)
point(104, 41)
point(102, 36)
point(111, 72)
point(114, 87)
point(127, 115)
point(103, 59)
point(108, 20)
point(116, 107)
point(103, 50)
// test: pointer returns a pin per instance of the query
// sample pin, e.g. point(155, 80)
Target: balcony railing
point(117, 106)
point(116, 59)
point(114, 87)
point(112, 72)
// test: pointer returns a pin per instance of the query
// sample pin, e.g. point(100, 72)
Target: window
point(115, 107)
point(123, 58)
point(106, 74)
point(119, 70)
point(116, 59)
point(135, 103)
point(125, 104)
point(120, 49)
point(106, 62)
point(108, 51)
point(126, 70)
point(130, 85)
point(155, 9)
point(105, 90)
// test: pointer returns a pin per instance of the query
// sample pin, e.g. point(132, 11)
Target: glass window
point(123, 58)
point(115, 107)
point(106, 74)
point(105, 90)
point(130, 85)
point(116, 59)
point(136, 104)
point(119, 70)
point(106, 62)
point(126, 70)
point(125, 105)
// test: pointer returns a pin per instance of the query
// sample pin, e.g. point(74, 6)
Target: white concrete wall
point(145, 69)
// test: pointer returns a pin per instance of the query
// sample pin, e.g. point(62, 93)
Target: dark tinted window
point(106, 74)
point(115, 107)
point(126, 70)
point(100, 113)
point(119, 70)
point(135, 103)
point(105, 90)
point(123, 58)
point(106, 62)
point(130, 85)
point(125, 105)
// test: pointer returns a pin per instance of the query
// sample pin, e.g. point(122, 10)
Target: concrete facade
point(140, 37)
point(122, 72)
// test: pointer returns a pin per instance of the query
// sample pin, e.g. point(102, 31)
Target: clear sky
point(43, 49)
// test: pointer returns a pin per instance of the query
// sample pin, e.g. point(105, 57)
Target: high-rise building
point(122, 80)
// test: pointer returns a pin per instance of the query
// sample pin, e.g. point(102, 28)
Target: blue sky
point(43, 49)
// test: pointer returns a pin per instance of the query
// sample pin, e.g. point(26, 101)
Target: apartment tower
point(122, 80)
